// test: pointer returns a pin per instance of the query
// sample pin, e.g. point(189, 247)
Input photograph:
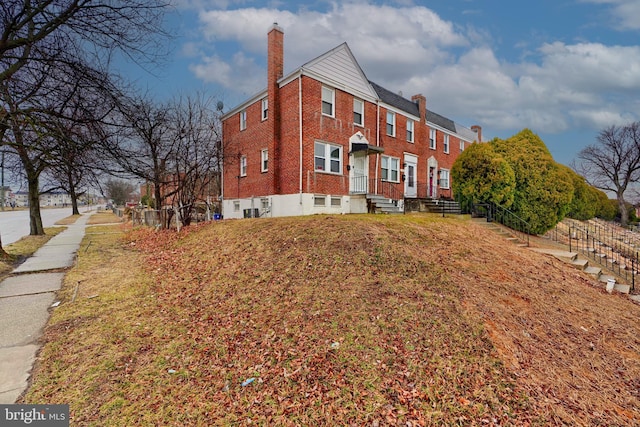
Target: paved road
point(15, 224)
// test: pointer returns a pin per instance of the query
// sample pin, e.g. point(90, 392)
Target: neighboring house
point(21, 198)
point(324, 138)
point(55, 198)
point(7, 198)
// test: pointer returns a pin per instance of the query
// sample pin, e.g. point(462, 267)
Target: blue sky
point(564, 68)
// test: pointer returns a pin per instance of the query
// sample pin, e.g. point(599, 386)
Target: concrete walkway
point(25, 299)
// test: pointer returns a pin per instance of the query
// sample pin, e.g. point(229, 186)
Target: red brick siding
point(250, 143)
point(283, 176)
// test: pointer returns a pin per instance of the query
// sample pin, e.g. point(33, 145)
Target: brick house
point(325, 139)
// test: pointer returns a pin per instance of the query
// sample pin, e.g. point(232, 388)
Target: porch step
point(443, 205)
point(381, 204)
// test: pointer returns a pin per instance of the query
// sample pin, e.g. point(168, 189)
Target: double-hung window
point(328, 157)
point(391, 123)
point(461, 145)
point(265, 108)
point(410, 130)
point(243, 119)
point(264, 160)
point(243, 166)
point(328, 101)
point(444, 178)
point(432, 139)
point(446, 144)
point(390, 168)
point(358, 112)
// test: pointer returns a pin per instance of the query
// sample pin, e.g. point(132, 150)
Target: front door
point(410, 166)
point(359, 173)
point(432, 190)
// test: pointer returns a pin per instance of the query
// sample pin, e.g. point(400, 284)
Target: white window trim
point(413, 129)
point(243, 119)
point(264, 158)
point(392, 115)
point(243, 166)
point(445, 187)
point(265, 108)
point(327, 158)
point(319, 200)
point(461, 145)
point(333, 101)
point(445, 147)
point(390, 168)
point(361, 102)
point(433, 134)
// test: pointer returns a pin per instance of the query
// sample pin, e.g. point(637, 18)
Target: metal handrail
point(387, 189)
point(606, 248)
point(505, 217)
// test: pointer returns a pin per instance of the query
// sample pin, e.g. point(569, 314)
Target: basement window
point(319, 200)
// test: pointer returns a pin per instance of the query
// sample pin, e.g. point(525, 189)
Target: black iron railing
point(611, 246)
point(493, 212)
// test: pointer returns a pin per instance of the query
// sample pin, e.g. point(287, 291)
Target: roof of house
point(441, 121)
point(396, 100)
point(338, 66)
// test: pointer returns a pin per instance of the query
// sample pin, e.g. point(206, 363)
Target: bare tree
point(174, 148)
point(144, 145)
point(613, 163)
point(196, 172)
point(46, 44)
point(30, 30)
point(78, 125)
point(119, 191)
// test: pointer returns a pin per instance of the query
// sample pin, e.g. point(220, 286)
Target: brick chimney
point(275, 53)
point(422, 105)
point(275, 70)
point(477, 129)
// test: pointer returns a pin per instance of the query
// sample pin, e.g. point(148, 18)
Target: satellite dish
point(220, 105)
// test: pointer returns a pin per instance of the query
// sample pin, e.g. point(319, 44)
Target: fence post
point(633, 271)
point(570, 237)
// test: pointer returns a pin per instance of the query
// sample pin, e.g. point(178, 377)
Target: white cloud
point(626, 13)
point(411, 49)
point(238, 74)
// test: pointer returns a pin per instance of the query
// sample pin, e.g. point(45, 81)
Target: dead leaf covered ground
point(337, 320)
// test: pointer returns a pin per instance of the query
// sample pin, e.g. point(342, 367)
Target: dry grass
point(71, 219)
point(104, 217)
point(339, 320)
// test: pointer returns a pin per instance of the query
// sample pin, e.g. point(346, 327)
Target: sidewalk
point(25, 299)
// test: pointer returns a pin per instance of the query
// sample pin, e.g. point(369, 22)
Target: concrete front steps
point(571, 258)
point(501, 230)
point(381, 204)
point(582, 264)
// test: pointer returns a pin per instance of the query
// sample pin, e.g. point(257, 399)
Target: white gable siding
point(340, 67)
point(466, 133)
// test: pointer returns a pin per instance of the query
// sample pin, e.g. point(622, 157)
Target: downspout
point(377, 144)
point(300, 130)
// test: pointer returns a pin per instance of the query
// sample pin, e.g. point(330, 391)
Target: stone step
point(594, 271)
point(580, 263)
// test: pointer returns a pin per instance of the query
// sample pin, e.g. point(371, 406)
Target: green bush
point(544, 189)
point(481, 175)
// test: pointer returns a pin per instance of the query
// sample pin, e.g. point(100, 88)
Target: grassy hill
point(336, 320)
